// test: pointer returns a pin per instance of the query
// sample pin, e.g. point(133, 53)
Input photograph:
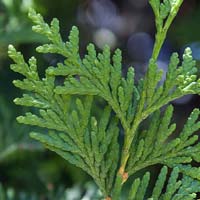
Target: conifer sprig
point(176, 189)
point(89, 140)
point(165, 11)
point(153, 146)
point(73, 133)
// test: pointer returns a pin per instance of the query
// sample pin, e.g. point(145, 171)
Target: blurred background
point(27, 170)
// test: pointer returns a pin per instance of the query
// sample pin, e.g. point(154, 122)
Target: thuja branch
point(88, 139)
point(162, 25)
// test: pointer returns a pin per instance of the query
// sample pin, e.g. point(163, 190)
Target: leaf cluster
point(172, 189)
point(65, 110)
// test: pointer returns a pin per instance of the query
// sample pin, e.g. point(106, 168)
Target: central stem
point(129, 135)
point(122, 175)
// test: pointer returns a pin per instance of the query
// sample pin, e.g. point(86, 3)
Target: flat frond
point(171, 189)
point(153, 146)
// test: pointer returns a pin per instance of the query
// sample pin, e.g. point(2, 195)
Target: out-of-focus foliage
point(88, 191)
point(183, 35)
point(14, 25)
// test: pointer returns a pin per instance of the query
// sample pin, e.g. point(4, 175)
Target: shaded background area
point(29, 171)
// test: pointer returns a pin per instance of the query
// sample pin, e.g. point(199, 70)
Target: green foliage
point(11, 143)
point(175, 188)
point(14, 26)
point(77, 192)
point(153, 145)
point(73, 140)
point(65, 109)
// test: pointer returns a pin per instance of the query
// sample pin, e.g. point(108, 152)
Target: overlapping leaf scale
point(163, 10)
point(38, 92)
point(51, 32)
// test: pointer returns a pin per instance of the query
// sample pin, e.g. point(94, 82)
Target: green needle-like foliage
point(66, 110)
point(153, 146)
point(174, 188)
